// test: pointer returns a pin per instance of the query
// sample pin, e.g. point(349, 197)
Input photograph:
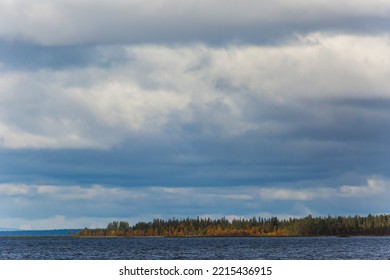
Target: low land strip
point(378, 225)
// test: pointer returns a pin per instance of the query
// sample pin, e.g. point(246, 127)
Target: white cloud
point(50, 190)
point(297, 193)
point(91, 193)
point(14, 189)
point(316, 66)
point(285, 194)
point(158, 87)
point(374, 187)
point(239, 196)
point(174, 191)
point(69, 193)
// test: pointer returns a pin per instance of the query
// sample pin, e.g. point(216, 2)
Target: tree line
point(308, 226)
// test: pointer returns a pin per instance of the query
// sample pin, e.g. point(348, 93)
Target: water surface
point(275, 248)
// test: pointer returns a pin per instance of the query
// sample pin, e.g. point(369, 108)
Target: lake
point(275, 248)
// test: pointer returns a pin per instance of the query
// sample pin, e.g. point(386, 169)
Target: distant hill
point(9, 229)
point(54, 232)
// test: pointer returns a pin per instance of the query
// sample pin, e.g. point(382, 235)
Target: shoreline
point(186, 237)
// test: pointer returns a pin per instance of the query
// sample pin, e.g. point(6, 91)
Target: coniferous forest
point(378, 225)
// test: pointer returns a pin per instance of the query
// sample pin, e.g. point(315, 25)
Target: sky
point(134, 110)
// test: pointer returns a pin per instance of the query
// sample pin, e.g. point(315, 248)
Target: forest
point(378, 225)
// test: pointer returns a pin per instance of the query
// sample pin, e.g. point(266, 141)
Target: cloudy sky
point(134, 110)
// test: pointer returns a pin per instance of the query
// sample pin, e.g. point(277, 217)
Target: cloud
point(373, 187)
point(28, 206)
point(13, 190)
point(212, 108)
point(165, 21)
point(285, 90)
point(286, 194)
point(304, 112)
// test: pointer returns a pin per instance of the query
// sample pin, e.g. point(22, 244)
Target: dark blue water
point(303, 248)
